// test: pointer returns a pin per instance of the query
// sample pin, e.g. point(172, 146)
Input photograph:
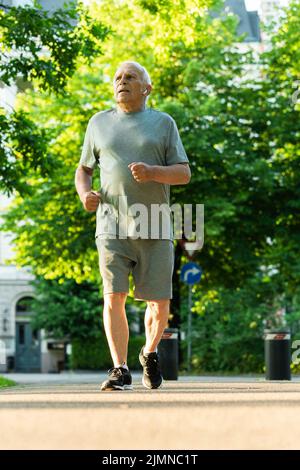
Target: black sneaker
point(152, 377)
point(119, 378)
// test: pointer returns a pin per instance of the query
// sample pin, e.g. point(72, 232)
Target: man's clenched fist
point(141, 171)
point(91, 200)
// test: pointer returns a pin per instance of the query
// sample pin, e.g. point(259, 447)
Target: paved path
point(66, 412)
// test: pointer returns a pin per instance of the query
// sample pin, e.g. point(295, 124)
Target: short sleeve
point(88, 154)
point(175, 152)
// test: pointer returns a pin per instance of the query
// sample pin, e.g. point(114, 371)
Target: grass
point(6, 382)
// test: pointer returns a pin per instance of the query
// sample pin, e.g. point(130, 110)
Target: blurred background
point(229, 74)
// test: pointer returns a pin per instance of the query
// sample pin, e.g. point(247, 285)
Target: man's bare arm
point(173, 174)
point(179, 173)
point(83, 183)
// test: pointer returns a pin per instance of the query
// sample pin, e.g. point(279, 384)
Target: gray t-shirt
point(114, 139)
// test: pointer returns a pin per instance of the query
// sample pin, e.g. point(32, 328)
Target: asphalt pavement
point(68, 411)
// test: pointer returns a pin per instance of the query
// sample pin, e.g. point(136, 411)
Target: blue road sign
point(191, 273)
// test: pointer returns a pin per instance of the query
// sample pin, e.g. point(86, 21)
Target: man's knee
point(115, 299)
point(159, 307)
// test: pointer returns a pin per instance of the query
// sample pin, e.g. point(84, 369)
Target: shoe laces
point(115, 372)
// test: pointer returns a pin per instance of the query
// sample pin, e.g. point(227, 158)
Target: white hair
point(145, 74)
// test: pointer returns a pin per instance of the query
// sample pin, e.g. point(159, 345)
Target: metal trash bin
point(278, 354)
point(168, 354)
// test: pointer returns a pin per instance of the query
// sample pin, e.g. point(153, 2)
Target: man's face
point(129, 85)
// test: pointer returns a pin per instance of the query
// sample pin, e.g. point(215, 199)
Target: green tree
point(54, 205)
point(42, 50)
point(281, 85)
point(65, 311)
point(55, 236)
point(241, 134)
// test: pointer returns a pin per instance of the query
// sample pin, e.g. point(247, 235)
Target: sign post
point(190, 274)
point(189, 329)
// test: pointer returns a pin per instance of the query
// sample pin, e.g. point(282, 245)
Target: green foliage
point(281, 108)
point(53, 207)
point(228, 325)
point(45, 47)
point(40, 50)
point(94, 354)
point(67, 310)
point(228, 329)
point(23, 147)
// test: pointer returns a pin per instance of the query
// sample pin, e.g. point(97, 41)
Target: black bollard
point(278, 354)
point(168, 354)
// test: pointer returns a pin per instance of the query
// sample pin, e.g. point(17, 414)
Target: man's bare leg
point(116, 326)
point(156, 320)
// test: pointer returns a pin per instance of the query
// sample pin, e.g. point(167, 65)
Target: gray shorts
point(150, 261)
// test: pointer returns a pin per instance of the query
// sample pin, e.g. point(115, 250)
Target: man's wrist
point(153, 172)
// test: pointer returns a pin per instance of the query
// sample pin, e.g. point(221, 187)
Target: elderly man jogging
point(140, 154)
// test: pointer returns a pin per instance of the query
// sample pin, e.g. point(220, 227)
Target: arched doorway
point(28, 340)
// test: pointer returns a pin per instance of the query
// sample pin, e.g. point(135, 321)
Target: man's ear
point(147, 90)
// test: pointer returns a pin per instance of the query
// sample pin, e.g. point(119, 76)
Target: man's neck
point(128, 108)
